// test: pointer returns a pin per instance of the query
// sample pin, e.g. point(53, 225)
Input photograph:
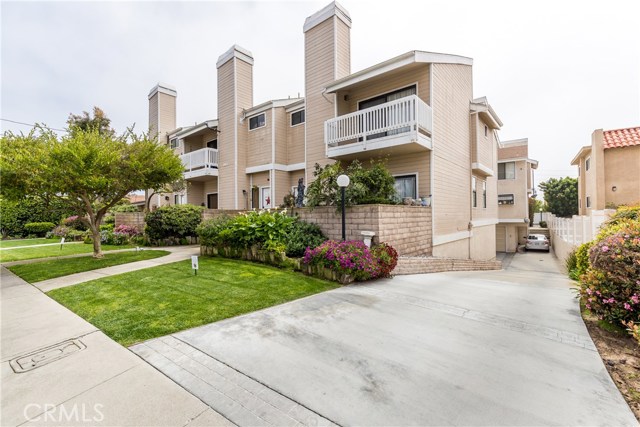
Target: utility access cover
point(46, 355)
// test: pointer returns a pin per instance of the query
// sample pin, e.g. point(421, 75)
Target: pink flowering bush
point(353, 258)
point(610, 288)
point(127, 230)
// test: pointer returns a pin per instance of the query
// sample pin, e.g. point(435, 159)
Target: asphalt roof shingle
point(621, 138)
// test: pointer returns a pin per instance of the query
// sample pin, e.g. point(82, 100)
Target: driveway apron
point(466, 348)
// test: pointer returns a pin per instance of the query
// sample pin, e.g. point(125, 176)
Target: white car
point(537, 242)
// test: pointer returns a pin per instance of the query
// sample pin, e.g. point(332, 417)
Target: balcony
point(404, 125)
point(200, 163)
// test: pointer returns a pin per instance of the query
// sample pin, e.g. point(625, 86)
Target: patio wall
point(406, 228)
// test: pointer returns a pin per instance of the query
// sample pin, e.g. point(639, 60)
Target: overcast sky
point(553, 70)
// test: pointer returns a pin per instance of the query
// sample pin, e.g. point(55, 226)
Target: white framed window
point(474, 194)
point(174, 143)
point(587, 164)
point(506, 199)
point(297, 118)
point(258, 121)
point(178, 199)
point(507, 170)
point(406, 186)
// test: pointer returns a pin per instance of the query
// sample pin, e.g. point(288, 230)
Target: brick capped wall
point(406, 228)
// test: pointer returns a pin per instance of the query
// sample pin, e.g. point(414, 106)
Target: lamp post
point(343, 182)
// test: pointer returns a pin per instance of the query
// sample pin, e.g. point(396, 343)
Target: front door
point(265, 198)
point(212, 201)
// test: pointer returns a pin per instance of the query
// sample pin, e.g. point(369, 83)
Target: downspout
point(432, 159)
point(273, 156)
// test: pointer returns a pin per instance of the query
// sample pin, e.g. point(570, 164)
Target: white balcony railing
point(408, 115)
point(203, 159)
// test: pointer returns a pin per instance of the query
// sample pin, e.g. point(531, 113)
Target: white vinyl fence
point(578, 229)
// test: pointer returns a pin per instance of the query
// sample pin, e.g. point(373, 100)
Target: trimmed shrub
point(386, 257)
point(209, 231)
point(40, 229)
point(124, 208)
point(107, 227)
point(543, 224)
point(74, 222)
point(173, 222)
point(301, 236)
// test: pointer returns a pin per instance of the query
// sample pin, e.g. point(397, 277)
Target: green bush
point(124, 208)
point(107, 227)
point(173, 222)
point(301, 236)
point(570, 264)
point(543, 224)
point(266, 229)
point(374, 184)
point(40, 229)
point(10, 224)
point(610, 287)
point(582, 259)
point(14, 215)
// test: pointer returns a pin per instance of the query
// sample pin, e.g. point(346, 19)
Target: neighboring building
point(609, 170)
point(416, 110)
point(515, 186)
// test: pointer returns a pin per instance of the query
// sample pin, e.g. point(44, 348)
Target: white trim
point(482, 168)
point(332, 9)
point(512, 221)
point(295, 106)
point(432, 152)
point(274, 103)
point(235, 135)
point(452, 237)
point(275, 166)
point(392, 64)
point(185, 132)
point(235, 51)
point(163, 88)
point(272, 173)
point(485, 222)
point(256, 115)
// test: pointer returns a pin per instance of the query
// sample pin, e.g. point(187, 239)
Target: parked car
point(537, 242)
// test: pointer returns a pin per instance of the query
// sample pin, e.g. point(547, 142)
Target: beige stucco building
point(515, 186)
point(609, 170)
point(416, 110)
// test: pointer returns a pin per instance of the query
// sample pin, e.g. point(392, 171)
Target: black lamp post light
point(343, 183)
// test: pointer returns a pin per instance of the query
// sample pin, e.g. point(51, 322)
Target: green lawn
point(44, 270)
point(52, 251)
point(145, 304)
point(26, 242)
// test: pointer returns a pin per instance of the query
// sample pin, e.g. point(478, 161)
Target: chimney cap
point(163, 88)
point(237, 52)
point(333, 8)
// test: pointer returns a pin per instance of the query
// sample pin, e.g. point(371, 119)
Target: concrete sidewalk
point(38, 246)
point(88, 380)
point(178, 253)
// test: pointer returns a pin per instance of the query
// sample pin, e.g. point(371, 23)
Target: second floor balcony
point(404, 124)
point(200, 163)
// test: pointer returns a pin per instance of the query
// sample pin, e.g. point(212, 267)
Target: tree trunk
point(97, 245)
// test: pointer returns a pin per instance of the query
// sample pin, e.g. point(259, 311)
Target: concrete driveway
point(471, 348)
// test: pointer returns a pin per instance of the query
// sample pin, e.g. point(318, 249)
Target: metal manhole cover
point(46, 355)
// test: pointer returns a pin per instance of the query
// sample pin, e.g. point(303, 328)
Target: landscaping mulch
point(621, 355)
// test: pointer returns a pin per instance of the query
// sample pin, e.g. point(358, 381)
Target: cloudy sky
point(553, 70)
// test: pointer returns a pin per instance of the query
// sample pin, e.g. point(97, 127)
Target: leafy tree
point(99, 122)
point(88, 170)
point(374, 184)
point(561, 196)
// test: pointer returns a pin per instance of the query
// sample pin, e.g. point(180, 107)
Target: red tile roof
point(621, 138)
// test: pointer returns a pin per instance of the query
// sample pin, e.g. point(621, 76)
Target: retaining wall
point(419, 265)
point(406, 228)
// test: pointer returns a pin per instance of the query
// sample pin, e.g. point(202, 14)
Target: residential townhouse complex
point(515, 186)
point(609, 170)
point(416, 110)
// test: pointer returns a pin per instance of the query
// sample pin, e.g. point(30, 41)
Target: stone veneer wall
point(406, 228)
